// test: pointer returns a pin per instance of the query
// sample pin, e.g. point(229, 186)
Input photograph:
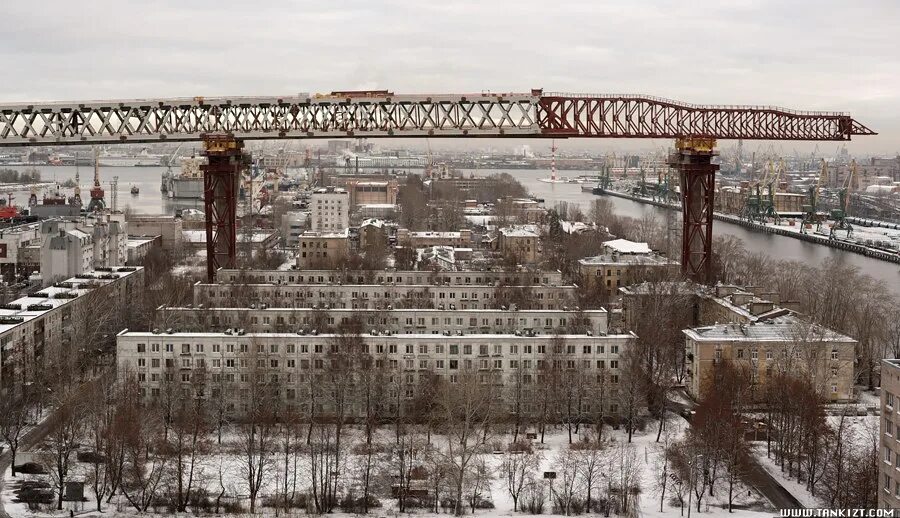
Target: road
point(29, 440)
point(756, 476)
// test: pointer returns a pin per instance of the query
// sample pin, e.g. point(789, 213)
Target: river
point(151, 201)
point(776, 246)
point(148, 201)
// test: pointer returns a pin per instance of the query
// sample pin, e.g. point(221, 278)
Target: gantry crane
point(839, 215)
point(225, 123)
point(810, 209)
point(769, 208)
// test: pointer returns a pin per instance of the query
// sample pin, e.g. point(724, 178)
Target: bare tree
point(406, 455)
point(14, 410)
point(625, 473)
point(566, 489)
point(66, 428)
point(188, 441)
point(631, 391)
point(464, 412)
point(324, 468)
point(145, 462)
point(591, 469)
point(518, 467)
point(257, 432)
point(100, 428)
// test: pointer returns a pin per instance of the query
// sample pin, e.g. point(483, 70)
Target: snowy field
point(644, 450)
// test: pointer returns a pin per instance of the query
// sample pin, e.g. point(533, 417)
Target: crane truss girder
point(533, 115)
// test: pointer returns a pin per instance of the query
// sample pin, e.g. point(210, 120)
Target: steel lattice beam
point(370, 115)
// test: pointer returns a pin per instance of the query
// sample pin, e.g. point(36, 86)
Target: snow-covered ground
point(647, 453)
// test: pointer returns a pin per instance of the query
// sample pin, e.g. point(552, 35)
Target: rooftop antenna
point(553, 160)
point(114, 195)
point(77, 195)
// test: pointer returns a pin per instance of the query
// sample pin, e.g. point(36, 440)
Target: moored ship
point(188, 183)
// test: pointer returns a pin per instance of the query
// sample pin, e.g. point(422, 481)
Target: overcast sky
point(841, 55)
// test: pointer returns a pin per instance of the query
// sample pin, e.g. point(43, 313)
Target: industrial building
point(372, 192)
point(30, 327)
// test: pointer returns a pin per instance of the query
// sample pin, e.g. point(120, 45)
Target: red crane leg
point(220, 186)
point(692, 159)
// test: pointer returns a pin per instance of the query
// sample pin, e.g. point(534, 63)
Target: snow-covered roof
point(789, 330)
point(325, 235)
point(372, 222)
point(624, 246)
point(520, 231)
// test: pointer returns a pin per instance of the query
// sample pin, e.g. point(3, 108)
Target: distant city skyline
point(836, 56)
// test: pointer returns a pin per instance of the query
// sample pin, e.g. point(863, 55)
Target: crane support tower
point(220, 186)
point(692, 158)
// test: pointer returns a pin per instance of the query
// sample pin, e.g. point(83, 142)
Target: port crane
point(759, 206)
point(839, 215)
point(810, 209)
point(97, 202)
point(223, 124)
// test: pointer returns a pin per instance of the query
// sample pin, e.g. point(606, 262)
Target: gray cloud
point(828, 55)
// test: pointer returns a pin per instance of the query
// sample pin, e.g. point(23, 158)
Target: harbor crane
point(839, 215)
point(810, 209)
point(97, 202)
point(225, 123)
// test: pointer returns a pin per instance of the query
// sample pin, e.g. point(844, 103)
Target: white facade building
point(294, 365)
point(446, 320)
point(70, 247)
point(329, 210)
point(371, 296)
point(398, 277)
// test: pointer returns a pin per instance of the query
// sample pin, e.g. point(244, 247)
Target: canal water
point(778, 247)
point(151, 201)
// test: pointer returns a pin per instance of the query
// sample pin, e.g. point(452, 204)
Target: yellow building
point(320, 250)
point(424, 239)
point(523, 243)
point(733, 200)
point(624, 263)
point(782, 345)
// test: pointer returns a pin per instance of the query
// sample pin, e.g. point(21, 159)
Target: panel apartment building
point(31, 326)
point(460, 278)
point(386, 295)
point(889, 436)
point(225, 366)
point(446, 321)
